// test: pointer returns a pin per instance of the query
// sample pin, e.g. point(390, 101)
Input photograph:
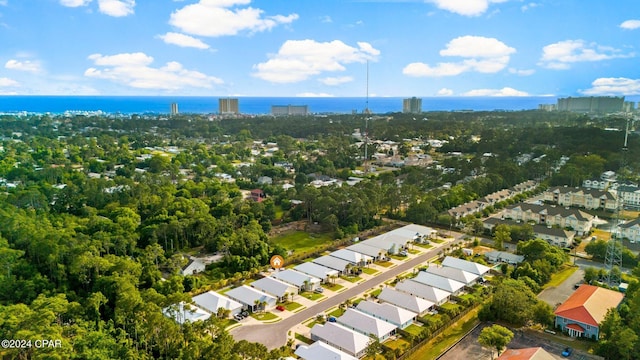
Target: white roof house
point(391, 242)
point(388, 312)
point(247, 296)
point(465, 265)
point(319, 271)
point(212, 301)
point(332, 263)
point(405, 301)
point(414, 230)
point(341, 338)
point(439, 282)
point(298, 279)
point(321, 351)
point(194, 266)
point(453, 273)
point(438, 296)
point(355, 258)
point(275, 287)
point(366, 324)
point(368, 250)
point(181, 313)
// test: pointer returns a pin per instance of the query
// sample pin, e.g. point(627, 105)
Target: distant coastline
point(259, 105)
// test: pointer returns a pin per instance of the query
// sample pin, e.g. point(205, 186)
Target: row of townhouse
point(550, 215)
point(590, 199)
point(476, 206)
point(553, 235)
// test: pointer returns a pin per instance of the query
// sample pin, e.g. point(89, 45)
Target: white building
point(275, 287)
point(631, 230)
point(194, 266)
point(367, 324)
point(321, 272)
point(355, 258)
point(212, 301)
point(439, 282)
point(406, 301)
point(251, 298)
point(435, 295)
point(182, 313)
point(333, 263)
point(321, 351)
point(453, 273)
point(388, 312)
point(362, 248)
point(468, 266)
point(298, 279)
point(341, 338)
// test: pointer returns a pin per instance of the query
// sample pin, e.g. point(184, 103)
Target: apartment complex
point(412, 105)
point(228, 106)
point(590, 199)
point(575, 219)
point(289, 110)
point(592, 104)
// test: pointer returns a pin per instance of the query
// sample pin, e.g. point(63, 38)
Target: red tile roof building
point(584, 310)
point(536, 353)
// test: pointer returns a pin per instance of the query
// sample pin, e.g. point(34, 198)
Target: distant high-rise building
point(547, 107)
point(592, 104)
point(228, 106)
point(412, 105)
point(174, 108)
point(629, 106)
point(280, 110)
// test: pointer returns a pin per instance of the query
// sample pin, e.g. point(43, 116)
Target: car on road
point(238, 317)
point(332, 319)
point(280, 307)
point(567, 352)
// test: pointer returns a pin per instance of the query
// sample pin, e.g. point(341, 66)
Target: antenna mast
point(366, 125)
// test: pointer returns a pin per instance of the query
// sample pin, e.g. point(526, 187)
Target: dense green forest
point(94, 211)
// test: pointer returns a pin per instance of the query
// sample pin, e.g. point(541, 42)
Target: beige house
point(550, 215)
point(590, 199)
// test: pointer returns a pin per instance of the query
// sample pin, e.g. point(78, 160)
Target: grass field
point(414, 329)
point(292, 306)
point(303, 338)
point(399, 343)
point(370, 271)
point(351, 279)
point(332, 287)
point(559, 277)
point(440, 343)
point(311, 295)
point(301, 241)
point(424, 246)
point(337, 312)
point(384, 263)
point(264, 316)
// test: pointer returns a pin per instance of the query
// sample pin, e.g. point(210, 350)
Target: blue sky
point(320, 47)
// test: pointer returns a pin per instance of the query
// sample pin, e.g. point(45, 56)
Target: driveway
point(556, 295)
point(275, 335)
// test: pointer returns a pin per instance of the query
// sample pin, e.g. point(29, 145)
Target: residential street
point(275, 335)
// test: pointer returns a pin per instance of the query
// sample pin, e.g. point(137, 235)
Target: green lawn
point(303, 338)
point(559, 277)
point(370, 271)
point(376, 292)
point(337, 312)
point(414, 329)
point(384, 263)
point(332, 287)
point(399, 343)
point(267, 316)
point(414, 252)
point(301, 241)
point(437, 241)
point(352, 279)
point(398, 257)
point(437, 345)
point(311, 295)
point(424, 246)
point(292, 306)
point(279, 212)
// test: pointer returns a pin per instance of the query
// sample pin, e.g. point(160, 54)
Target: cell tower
point(613, 256)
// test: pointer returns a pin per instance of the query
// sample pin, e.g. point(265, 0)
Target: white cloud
point(522, 72)
point(6, 82)
point(74, 3)
point(506, 91)
point(134, 70)
point(4, 2)
point(613, 86)
point(326, 19)
point(183, 40)
point(333, 81)
point(311, 94)
point(529, 6)
point(561, 55)
point(482, 54)
point(465, 7)
point(444, 92)
point(27, 65)
point(218, 18)
point(630, 24)
point(298, 60)
point(116, 8)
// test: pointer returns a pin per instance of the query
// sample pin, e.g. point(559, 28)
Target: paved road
point(558, 294)
point(275, 335)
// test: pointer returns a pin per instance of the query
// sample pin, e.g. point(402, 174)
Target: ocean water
point(257, 105)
